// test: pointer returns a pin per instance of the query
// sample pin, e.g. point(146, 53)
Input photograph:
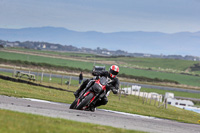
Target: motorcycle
point(93, 92)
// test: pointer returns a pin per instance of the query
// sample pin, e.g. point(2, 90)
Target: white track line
point(117, 112)
point(134, 115)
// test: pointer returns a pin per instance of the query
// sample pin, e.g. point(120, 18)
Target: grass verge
point(15, 122)
point(129, 104)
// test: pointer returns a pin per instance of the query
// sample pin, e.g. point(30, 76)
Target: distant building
point(8, 44)
point(44, 46)
point(147, 55)
point(106, 52)
point(53, 47)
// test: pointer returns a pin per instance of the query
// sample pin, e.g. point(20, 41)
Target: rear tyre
point(85, 101)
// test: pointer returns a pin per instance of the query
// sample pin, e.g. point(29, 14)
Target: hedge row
point(42, 65)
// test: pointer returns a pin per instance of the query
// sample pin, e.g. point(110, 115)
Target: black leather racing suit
point(113, 85)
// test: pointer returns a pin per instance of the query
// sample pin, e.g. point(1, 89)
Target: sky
point(167, 16)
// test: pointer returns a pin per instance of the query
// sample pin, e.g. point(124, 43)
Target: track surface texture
point(102, 117)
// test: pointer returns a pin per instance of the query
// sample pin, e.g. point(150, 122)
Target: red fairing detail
point(86, 93)
point(92, 99)
point(104, 87)
point(78, 102)
point(98, 81)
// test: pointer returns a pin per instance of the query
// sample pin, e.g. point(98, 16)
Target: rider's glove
point(114, 91)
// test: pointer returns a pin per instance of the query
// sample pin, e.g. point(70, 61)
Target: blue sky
point(168, 16)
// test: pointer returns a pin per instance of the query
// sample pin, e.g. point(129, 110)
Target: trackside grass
point(56, 82)
point(15, 122)
point(132, 104)
point(129, 104)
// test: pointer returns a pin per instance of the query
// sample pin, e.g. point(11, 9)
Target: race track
point(102, 117)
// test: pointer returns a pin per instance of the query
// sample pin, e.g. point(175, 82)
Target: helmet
point(114, 70)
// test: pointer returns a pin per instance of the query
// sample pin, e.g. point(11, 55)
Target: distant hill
point(182, 43)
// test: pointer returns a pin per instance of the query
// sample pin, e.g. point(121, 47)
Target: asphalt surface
point(102, 117)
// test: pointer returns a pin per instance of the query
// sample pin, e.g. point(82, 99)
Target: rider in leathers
point(113, 84)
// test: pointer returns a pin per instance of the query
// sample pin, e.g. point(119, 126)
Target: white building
point(53, 47)
point(44, 46)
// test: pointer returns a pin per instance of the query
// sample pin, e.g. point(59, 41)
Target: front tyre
point(85, 101)
point(73, 105)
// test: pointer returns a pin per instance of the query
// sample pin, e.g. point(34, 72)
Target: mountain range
point(181, 43)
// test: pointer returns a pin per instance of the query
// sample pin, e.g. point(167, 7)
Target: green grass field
point(15, 122)
point(68, 54)
point(129, 104)
point(40, 59)
point(157, 63)
point(182, 79)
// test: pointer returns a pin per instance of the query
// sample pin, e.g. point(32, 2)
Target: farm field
point(190, 80)
point(134, 62)
point(70, 54)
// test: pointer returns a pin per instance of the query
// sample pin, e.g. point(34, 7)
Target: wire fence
point(150, 98)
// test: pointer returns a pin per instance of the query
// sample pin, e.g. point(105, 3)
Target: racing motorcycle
point(93, 92)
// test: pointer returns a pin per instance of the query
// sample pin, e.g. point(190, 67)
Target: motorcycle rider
point(113, 84)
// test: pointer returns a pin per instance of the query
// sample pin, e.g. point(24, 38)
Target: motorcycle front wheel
point(84, 101)
point(73, 105)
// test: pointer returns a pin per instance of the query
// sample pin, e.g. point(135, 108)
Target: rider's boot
point(93, 109)
point(76, 94)
point(103, 101)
